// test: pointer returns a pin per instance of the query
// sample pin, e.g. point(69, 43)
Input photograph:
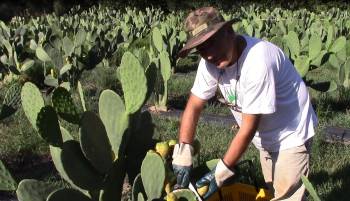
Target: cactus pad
point(151, 74)
point(137, 188)
point(94, 142)
point(74, 167)
point(67, 195)
point(157, 39)
point(32, 102)
point(113, 185)
point(293, 43)
point(153, 175)
point(48, 126)
point(114, 117)
point(33, 190)
point(185, 194)
point(12, 101)
point(134, 82)
point(165, 66)
point(64, 105)
point(302, 65)
point(315, 46)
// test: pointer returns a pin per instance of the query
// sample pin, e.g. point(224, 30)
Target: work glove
point(182, 164)
point(215, 178)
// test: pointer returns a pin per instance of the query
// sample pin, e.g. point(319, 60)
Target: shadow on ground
point(26, 165)
point(341, 176)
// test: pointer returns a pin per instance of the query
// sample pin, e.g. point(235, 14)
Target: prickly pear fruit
point(171, 143)
point(162, 148)
point(167, 187)
point(171, 197)
point(203, 190)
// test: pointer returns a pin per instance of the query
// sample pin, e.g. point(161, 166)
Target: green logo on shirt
point(231, 96)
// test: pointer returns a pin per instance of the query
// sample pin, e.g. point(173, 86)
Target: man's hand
point(215, 178)
point(182, 164)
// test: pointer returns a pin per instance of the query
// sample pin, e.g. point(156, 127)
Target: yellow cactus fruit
point(52, 72)
point(171, 197)
point(167, 187)
point(203, 190)
point(172, 143)
point(162, 148)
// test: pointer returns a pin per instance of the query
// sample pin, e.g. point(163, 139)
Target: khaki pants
point(282, 172)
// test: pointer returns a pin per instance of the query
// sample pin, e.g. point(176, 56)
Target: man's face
point(218, 49)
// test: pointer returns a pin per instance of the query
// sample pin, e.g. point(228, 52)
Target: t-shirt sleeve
point(205, 83)
point(259, 87)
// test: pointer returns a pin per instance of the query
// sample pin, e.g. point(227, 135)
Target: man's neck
point(239, 45)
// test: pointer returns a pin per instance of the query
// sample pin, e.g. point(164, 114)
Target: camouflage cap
point(200, 25)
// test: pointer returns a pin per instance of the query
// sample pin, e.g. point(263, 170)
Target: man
point(266, 95)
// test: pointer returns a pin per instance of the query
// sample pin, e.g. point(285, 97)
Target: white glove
point(222, 172)
point(182, 155)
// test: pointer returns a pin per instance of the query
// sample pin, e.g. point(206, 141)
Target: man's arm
point(190, 118)
point(242, 139)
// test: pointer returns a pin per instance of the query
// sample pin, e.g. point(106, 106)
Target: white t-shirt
point(268, 84)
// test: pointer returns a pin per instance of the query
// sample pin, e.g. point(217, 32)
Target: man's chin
point(222, 65)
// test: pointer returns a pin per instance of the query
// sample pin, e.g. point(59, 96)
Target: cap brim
point(201, 38)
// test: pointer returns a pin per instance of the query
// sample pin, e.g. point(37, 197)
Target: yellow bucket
point(240, 192)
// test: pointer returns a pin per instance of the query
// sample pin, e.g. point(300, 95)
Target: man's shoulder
point(205, 66)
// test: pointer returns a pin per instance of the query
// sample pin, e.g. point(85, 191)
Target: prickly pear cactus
point(32, 102)
point(185, 194)
point(67, 195)
point(165, 66)
point(292, 41)
point(48, 126)
point(94, 142)
point(55, 153)
point(42, 55)
point(33, 190)
point(114, 117)
point(113, 185)
point(151, 74)
point(137, 188)
point(12, 101)
point(7, 183)
point(315, 46)
point(134, 82)
point(72, 165)
point(153, 175)
point(157, 39)
point(338, 44)
point(64, 105)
